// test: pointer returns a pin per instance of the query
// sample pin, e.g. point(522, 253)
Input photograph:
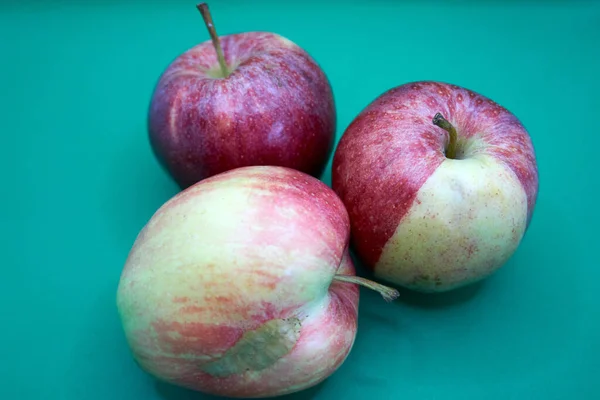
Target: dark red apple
point(246, 99)
point(440, 184)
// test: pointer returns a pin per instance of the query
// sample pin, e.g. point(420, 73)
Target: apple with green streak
point(252, 98)
point(242, 285)
point(440, 184)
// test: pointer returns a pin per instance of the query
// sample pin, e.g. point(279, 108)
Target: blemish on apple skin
point(257, 349)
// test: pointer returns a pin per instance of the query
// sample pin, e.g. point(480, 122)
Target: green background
point(80, 181)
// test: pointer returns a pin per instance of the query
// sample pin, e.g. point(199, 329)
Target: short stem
point(443, 123)
point(387, 293)
point(203, 8)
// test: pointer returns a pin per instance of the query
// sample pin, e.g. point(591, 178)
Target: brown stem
point(443, 123)
point(387, 293)
point(212, 31)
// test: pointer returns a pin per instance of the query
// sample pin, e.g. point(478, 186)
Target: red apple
point(435, 201)
point(242, 285)
point(261, 100)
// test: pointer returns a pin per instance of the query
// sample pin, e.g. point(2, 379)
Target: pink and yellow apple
point(252, 98)
point(440, 184)
point(242, 285)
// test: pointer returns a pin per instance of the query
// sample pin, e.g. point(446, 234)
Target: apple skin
point(275, 108)
point(222, 260)
point(423, 221)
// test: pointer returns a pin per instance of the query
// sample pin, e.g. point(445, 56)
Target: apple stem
point(387, 293)
point(212, 31)
point(443, 123)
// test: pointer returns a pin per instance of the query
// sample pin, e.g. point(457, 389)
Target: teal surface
point(80, 181)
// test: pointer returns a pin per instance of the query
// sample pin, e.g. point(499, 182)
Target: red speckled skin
point(274, 257)
point(276, 108)
point(391, 148)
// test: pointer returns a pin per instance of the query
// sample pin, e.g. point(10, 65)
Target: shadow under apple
point(440, 300)
point(168, 391)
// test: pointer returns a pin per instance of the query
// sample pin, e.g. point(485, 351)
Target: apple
point(242, 285)
point(251, 98)
point(440, 184)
